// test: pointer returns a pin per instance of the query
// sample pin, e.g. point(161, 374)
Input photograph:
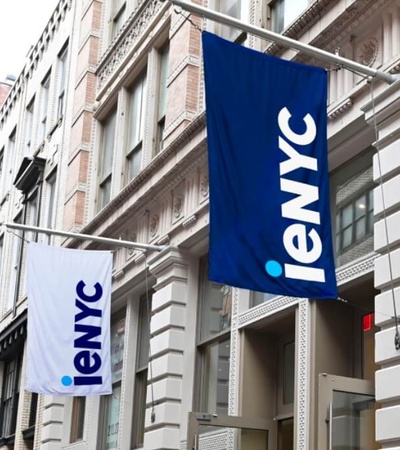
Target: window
point(44, 103)
point(1, 254)
point(284, 12)
point(77, 418)
point(118, 16)
point(51, 194)
point(137, 111)
point(112, 403)
point(10, 396)
point(162, 97)
point(28, 129)
point(106, 159)
point(354, 221)
point(230, 8)
point(11, 154)
point(15, 266)
point(142, 361)
point(214, 343)
point(257, 298)
point(62, 78)
point(1, 167)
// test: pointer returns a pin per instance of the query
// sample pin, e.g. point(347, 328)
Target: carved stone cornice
point(340, 108)
point(344, 27)
point(130, 34)
point(304, 22)
point(179, 171)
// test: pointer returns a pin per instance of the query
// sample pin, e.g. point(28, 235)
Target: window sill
point(9, 440)
point(29, 433)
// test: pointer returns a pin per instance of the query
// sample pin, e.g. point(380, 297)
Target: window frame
point(7, 431)
point(225, 31)
point(62, 80)
point(366, 192)
point(78, 413)
point(278, 6)
point(141, 370)
point(105, 177)
point(118, 10)
point(136, 148)
point(106, 403)
point(30, 111)
point(206, 344)
point(44, 106)
point(162, 95)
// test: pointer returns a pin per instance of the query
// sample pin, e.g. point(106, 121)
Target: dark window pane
point(361, 228)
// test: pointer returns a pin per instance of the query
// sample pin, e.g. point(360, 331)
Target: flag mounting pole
point(86, 237)
point(283, 40)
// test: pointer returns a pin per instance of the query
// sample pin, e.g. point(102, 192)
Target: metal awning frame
point(285, 41)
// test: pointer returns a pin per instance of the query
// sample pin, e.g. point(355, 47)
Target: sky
point(21, 24)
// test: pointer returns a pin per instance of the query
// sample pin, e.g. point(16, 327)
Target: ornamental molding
point(305, 21)
point(178, 206)
point(154, 225)
point(190, 221)
point(266, 309)
point(204, 185)
point(303, 387)
point(125, 41)
point(233, 393)
point(345, 27)
point(368, 51)
point(339, 109)
point(218, 440)
point(356, 269)
point(196, 157)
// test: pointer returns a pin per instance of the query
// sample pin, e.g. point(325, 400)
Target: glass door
point(346, 413)
point(207, 431)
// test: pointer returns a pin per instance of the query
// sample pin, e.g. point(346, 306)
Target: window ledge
point(9, 440)
point(29, 433)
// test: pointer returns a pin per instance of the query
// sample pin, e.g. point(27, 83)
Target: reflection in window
point(230, 8)
point(106, 159)
point(216, 377)
point(10, 396)
point(354, 221)
point(257, 298)
point(137, 105)
point(284, 12)
point(214, 342)
point(62, 77)
point(118, 16)
point(77, 418)
point(112, 403)
point(162, 97)
point(28, 128)
point(44, 103)
point(142, 361)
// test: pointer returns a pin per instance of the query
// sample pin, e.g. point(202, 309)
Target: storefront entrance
point(205, 432)
point(346, 413)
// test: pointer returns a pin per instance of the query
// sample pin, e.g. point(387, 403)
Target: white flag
point(69, 297)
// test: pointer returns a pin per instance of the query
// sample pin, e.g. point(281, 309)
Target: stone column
point(172, 361)
point(386, 167)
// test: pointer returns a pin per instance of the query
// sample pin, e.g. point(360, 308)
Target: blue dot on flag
point(273, 268)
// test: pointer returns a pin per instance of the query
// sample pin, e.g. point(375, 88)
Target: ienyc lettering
point(87, 361)
point(302, 242)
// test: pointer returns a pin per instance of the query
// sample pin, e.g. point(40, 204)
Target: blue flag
point(270, 225)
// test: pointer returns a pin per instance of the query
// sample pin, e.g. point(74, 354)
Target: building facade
point(264, 371)
point(35, 123)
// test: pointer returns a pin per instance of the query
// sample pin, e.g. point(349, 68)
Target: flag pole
point(283, 40)
point(86, 237)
